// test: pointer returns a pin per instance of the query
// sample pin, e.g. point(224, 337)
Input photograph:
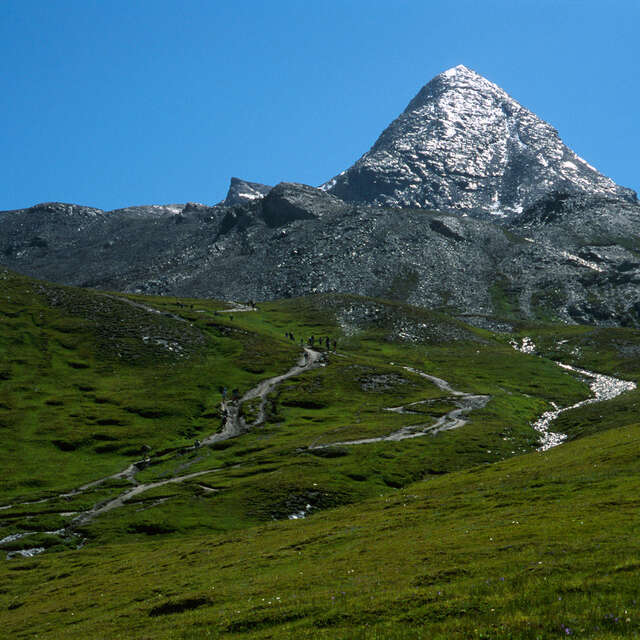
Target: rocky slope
point(569, 258)
point(462, 142)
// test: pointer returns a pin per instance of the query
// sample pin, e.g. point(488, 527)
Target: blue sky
point(121, 102)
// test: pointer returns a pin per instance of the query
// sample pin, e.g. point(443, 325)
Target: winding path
point(603, 388)
point(465, 403)
point(144, 307)
point(119, 501)
point(234, 425)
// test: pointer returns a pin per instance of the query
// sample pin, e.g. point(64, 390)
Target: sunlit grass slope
point(87, 380)
point(524, 548)
point(90, 382)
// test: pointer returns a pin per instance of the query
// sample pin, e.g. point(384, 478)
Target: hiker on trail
point(311, 340)
point(235, 395)
point(223, 391)
point(292, 337)
point(196, 444)
point(327, 343)
point(335, 345)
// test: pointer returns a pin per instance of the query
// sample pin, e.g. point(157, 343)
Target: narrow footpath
point(465, 403)
point(234, 425)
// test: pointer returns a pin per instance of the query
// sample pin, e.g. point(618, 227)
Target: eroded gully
point(602, 387)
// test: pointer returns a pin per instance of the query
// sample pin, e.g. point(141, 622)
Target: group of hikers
point(314, 342)
point(227, 397)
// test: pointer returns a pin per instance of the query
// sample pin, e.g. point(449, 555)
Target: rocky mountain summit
point(464, 143)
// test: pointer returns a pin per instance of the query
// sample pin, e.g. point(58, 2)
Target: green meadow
point(468, 533)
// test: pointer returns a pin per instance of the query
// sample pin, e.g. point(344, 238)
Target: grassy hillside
point(525, 548)
point(397, 533)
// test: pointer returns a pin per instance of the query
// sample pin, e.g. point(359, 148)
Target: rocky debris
point(243, 192)
point(32, 231)
point(526, 346)
point(195, 207)
point(580, 218)
point(150, 211)
point(594, 247)
point(399, 323)
point(581, 265)
point(64, 209)
point(289, 201)
point(236, 218)
point(464, 143)
point(376, 383)
point(126, 329)
point(487, 322)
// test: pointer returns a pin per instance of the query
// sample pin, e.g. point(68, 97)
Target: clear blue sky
point(121, 102)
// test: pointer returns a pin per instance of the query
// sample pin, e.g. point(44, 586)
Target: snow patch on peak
point(466, 77)
point(327, 186)
point(243, 191)
point(450, 73)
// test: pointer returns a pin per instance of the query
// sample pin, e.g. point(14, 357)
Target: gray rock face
point(242, 192)
point(582, 261)
point(27, 231)
point(568, 258)
point(463, 143)
point(290, 201)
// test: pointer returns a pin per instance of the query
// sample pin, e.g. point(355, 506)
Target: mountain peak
point(458, 82)
point(463, 77)
point(464, 143)
point(458, 69)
